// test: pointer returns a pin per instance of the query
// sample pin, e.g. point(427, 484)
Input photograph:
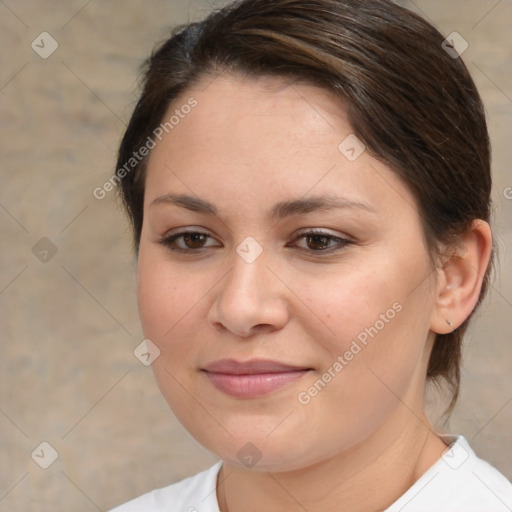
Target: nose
point(250, 300)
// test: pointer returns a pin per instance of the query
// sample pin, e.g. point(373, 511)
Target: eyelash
point(170, 242)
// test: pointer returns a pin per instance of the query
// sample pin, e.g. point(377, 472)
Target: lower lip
point(251, 386)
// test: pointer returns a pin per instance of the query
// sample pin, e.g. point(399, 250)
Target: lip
point(250, 379)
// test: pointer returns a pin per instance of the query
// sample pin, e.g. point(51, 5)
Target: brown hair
point(412, 103)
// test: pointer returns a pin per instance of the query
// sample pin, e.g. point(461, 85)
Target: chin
point(247, 444)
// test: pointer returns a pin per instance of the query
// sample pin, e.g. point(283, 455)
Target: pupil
point(194, 240)
point(318, 241)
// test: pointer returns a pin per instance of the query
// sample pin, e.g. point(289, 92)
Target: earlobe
point(460, 278)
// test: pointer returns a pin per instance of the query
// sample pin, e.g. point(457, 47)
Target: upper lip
point(251, 367)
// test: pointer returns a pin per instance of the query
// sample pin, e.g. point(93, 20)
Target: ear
point(460, 278)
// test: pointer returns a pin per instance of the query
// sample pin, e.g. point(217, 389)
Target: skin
point(247, 146)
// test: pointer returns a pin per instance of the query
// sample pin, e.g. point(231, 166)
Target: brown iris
point(318, 241)
point(194, 240)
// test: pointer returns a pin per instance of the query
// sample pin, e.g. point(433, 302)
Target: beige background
point(69, 325)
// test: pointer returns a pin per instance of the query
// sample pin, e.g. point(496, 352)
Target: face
point(283, 276)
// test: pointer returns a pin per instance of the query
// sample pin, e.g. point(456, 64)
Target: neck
point(366, 478)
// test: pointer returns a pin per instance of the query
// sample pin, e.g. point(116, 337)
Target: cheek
point(155, 297)
point(167, 299)
point(372, 340)
point(169, 302)
point(375, 317)
point(343, 304)
point(174, 302)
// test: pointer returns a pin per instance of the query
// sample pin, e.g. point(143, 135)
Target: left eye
point(320, 242)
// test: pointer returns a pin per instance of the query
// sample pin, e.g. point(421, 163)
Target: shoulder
point(193, 494)
point(458, 482)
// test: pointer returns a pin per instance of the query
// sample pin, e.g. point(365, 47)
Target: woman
point(309, 188)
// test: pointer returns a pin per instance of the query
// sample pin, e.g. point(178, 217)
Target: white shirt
point(458, 482)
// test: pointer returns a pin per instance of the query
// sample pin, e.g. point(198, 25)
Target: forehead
point(243, 114)
point(255, 140)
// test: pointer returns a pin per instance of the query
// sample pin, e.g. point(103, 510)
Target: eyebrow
point(279, 211)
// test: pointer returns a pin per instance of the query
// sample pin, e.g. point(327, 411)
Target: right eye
point(188, 241)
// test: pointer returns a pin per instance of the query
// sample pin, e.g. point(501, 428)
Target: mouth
point(250, 379)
